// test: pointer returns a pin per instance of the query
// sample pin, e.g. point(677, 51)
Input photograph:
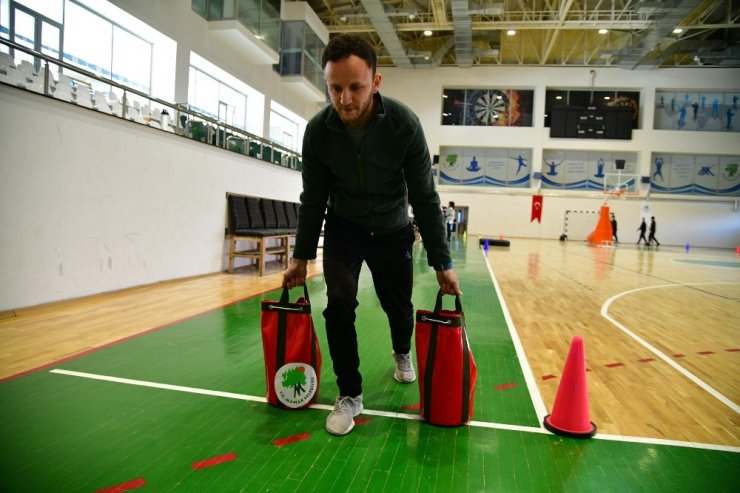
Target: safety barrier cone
point(570, 414)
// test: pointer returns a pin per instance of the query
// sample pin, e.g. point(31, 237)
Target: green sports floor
point(182, 408)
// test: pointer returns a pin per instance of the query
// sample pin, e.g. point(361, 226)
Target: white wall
point(91, 203)
point(711, 222)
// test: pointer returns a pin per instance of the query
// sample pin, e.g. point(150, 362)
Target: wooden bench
point(266, 226)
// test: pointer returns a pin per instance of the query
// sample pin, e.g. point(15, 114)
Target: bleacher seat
point(268, 212)
point(282, 216)
point(83, 96)
point(64, 89)
point(8, 76)
point(101, 102)
point(36, 84)
point(267, 153)
point(290, 213)
point(116, 108)
point(256, 220)
point(6, 62)
point(24, 73)
point(238, 215)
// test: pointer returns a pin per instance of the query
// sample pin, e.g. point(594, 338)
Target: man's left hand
point(448, 282)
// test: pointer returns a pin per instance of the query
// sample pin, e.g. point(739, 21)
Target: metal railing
point(74, 85)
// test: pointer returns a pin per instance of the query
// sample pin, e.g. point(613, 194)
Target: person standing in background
point(450, 218)
point(642, 229)
point(652, 237)
point(614, 228)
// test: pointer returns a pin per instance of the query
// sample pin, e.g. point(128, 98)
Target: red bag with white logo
point(447, 371)
point(292, 353)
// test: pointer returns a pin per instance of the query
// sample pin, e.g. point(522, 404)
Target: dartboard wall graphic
point(487, 107)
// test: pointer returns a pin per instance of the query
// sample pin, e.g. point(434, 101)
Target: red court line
point(505, 386)
point(128, 486)
point(733, 350)
point(646, 360)
point(362, 421)
point(704, 353)
point(412, 407)
point(288, 440)
point(214, 461)
point(679, 355)
point(613, 365)
point(548, 377)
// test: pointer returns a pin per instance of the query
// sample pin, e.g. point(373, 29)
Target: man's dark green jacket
point(372, 184)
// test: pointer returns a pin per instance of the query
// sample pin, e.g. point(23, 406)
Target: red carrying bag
point(447, 371)
point(292, 353)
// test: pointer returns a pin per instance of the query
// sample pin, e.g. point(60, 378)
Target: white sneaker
point(404, 368)
point(341, 420)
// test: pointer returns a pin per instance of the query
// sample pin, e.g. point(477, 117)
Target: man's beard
point(358, 112)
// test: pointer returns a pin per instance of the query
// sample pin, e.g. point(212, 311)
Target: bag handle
point(282, 332)
point(285, 298)
point(438, 305)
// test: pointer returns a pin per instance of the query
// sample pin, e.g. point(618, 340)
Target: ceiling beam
point(556, 34)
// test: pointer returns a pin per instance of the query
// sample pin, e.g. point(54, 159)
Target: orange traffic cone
point(570, 414)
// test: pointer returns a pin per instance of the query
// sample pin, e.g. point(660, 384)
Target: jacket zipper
point(363, 188)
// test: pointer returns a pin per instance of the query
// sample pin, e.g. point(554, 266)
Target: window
point(96, 44)
point(215, 99)
point(34, 30)
point(286, 128)
point(211, 88)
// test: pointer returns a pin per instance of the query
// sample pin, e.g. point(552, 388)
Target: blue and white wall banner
point(482, 166)
point(583, 170)
point(695, 174)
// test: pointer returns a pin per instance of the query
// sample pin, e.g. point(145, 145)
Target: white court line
point(701, 383)
point(387, 414)
point(534, 393)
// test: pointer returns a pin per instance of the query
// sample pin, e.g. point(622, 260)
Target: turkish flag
point(536, 208)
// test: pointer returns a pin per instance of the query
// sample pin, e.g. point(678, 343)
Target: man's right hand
point(295, 274)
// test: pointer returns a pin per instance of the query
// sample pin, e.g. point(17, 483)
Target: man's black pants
point(389, 258)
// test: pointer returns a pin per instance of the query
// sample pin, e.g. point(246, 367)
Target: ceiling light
point(427, 33)
point(603, 31)
point(343, 18)
point(678, 30)
point(511, 32)
point(412, 16)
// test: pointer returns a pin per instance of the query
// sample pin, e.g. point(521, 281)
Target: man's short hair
point(344, 45)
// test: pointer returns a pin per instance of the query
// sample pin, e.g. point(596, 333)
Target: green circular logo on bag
point(295, 384)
